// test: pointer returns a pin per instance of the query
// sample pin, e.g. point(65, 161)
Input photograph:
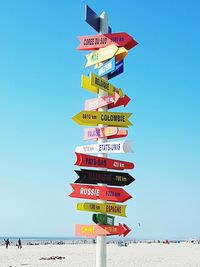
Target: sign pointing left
point(93, 118)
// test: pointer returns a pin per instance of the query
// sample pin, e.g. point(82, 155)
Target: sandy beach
point(83, 255)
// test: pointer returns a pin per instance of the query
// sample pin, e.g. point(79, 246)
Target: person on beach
point(19, 243)
point(7, 242)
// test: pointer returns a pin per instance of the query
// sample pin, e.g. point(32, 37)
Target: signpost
point(105, 177)
point(109, 50)
point(99, 192)
point(101, 162)
point(93, 118)
point(85, 83)
point(103, 84)
point(108, 147)
point(109, 132)
point(103, 219)
point(120, 39)
point(108, 208)
point(92, 231)
point(107, 67)
point(119, 68)
point(111, 101)
point(95, 103)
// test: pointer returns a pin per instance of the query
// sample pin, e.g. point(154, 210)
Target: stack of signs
point(107, 56)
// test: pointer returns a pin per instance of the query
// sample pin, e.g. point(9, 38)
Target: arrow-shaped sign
point(93, 118)
point(109, 132)
point(119, 68)
point(107, 67)
point(100, 162)
point(99, 192)
point(109, 147)
point(108, 208)
point(85, 83)
point(104, 177)
point(103, 219)
point(95, 103)
point(106, 53)
point(91, 231)
point(123, 101)
point(93, 19)
point(94, 42)
point(101, 83)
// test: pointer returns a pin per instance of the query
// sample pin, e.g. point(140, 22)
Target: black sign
point(104, 177)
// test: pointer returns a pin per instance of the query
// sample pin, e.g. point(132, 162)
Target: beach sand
point(83, 255)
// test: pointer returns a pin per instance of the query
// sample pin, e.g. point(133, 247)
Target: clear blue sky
point(40, 71)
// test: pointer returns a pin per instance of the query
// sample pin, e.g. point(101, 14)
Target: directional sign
point(107, 67)
point(123, 101)
point(85, 83)
point(100, 162)
point(103, 219)
point(93, 118)
point(99, 192)
point(108, 147)
point(108, 208)
point(101, 55)
point(104, 177)
point(109, 132)
point(119, 68)
point(91, 231)
point(121, 53)
point(106, 53)
point(101, 83)
point(95, 42)
point(95, 103)
point(93, 19)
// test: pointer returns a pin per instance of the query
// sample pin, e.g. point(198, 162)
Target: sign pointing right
point(104, 177)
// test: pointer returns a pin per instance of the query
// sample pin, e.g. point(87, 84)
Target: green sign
point(103, 219)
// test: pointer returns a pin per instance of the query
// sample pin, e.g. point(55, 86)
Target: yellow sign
point(121, 53)
point(101, 55)
point(104, 85)
point(85, 83)
point(93, 118)
point(108, 208)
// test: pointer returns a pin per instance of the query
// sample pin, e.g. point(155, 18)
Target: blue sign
point(107, 67)
point(93, 19)
point(119, 68)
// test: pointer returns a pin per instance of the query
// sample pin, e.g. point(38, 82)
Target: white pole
point(101, 240)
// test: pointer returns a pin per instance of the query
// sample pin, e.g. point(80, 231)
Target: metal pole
point(101, 240)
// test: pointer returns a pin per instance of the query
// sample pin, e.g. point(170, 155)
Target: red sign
point(123, 101)
point(88, 230)
point(100, 162)
point(99, 192)
point(95, 42)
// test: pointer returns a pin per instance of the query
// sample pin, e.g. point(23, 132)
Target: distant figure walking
point(19, 243)
point(7, 242)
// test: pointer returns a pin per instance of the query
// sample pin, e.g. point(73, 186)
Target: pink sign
point(92, 230)
point(109, 132)
point(95, 103)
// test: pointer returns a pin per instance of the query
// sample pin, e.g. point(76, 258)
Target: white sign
point(109, 147)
